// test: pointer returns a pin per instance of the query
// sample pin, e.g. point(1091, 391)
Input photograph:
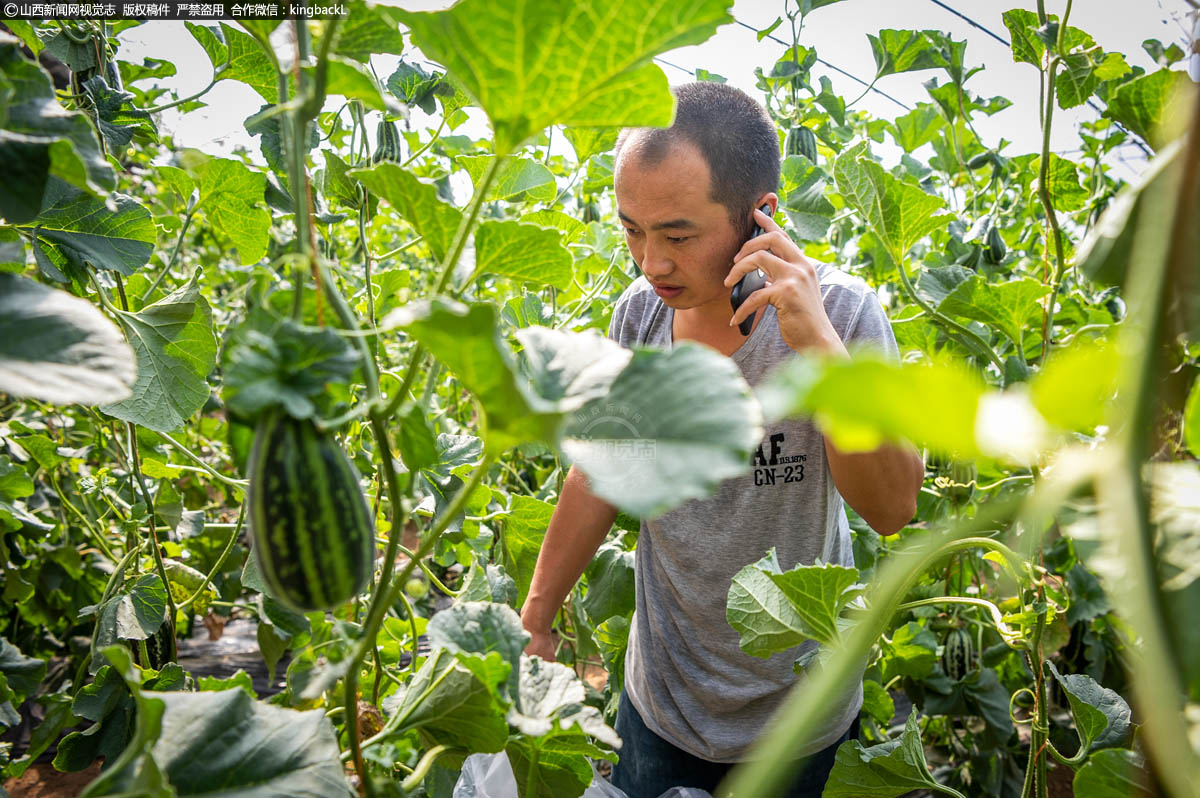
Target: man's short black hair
point(735, 135)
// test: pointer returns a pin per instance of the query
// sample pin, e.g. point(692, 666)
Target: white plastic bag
point(491, 776)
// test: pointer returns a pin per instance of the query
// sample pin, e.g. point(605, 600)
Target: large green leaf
point(1101, 715)
point(1062, 182)
point(524, 531)
point(135, 614)
point(934, 405)
point(589, 141)
point(1011, 307)
point(368, 29)
point(554, 766)
point(176, 350)
point(467, 342)
point(352, 80)
point(609, 584)
point(40, 139)
point(550, 700)
point(803, 198)
point(116, 116)
point(901, 214)
point(572, 63)
point(416, 201)
point(912, 652)
point(1191, 420)
point(248, 61)
point(523, 252)
point(887, 770)
point(903, 51)
point(1113, 773)
point(804, 604)
point(919, 126)
point(1076, 385)
point(231, 195)
point(59, 348)
point(117, 235)
point(226, 743)
point(1147, 102)
point(672, 426)
point(481, 627)
point(764, 618)
point(449, 704)
point(518, 180)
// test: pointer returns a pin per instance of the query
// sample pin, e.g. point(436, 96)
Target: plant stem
point(240, 484)
point(187, 221)
point(1044, 190)
point(233, 536)
point(135, 460)
point(1160, 255)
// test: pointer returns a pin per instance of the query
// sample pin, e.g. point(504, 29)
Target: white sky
point(838, 32)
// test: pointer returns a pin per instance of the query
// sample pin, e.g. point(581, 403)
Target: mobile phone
point(750, 282)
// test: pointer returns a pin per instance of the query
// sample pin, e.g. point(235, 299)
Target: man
point(693, 701)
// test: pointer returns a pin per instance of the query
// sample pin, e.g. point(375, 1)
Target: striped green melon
point(958, 656)
point(311, 531)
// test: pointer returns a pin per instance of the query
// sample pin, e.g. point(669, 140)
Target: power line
point(1007, 43)
point(837, 69)
point(973, 23)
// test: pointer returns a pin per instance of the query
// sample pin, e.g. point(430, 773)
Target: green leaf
point(1077, 80)
point(416, 201)
point(14, 482)
point(912, 652)
point(903, 51)
point(523, 252)
point(1076, 385)
point(901, 214)
point(1062, 181)
point(562, 63)
point(919, 126)
point(1146, 103)
point(542, 771)
point(449, 704)
point(1026, 46)
point(672, 426)
point(133, 615)
point(589, 141)
point(609, 584)
point(354, 81)
point(933, 404)
point(1011, 307)
point(764, 618)
point(877, 703)
point(1113, 773)
point(886, 770)
point(117, 235)
point(336, 184)
point(116, 116)
point(803, 189)
point(284, 365)
point(415, 86)
point(519, 179)
point(248, 62)
point(524, 531)
point(467, 341)
point(480, 628)
point(417, 446)
point(1101, 715)
point(1191, 420)
point(819, 593)
point(571, 228)
point(39, 140)
point(550, 700)
point(227, 743)
point(59, 348)
point(23, 674)
point(368, 29)
point(231, 195)
point(176, 350)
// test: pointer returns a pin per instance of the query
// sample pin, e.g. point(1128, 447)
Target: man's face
point(683, 241)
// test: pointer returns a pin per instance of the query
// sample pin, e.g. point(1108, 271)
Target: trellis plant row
point(160, 304)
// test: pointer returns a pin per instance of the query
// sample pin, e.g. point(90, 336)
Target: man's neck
point(709, 324)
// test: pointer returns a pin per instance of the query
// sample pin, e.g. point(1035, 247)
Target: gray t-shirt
point(684, 671)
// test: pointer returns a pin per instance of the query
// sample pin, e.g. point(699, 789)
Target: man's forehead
point(681, 223)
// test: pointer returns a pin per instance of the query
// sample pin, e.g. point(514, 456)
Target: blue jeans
point(650, 765)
